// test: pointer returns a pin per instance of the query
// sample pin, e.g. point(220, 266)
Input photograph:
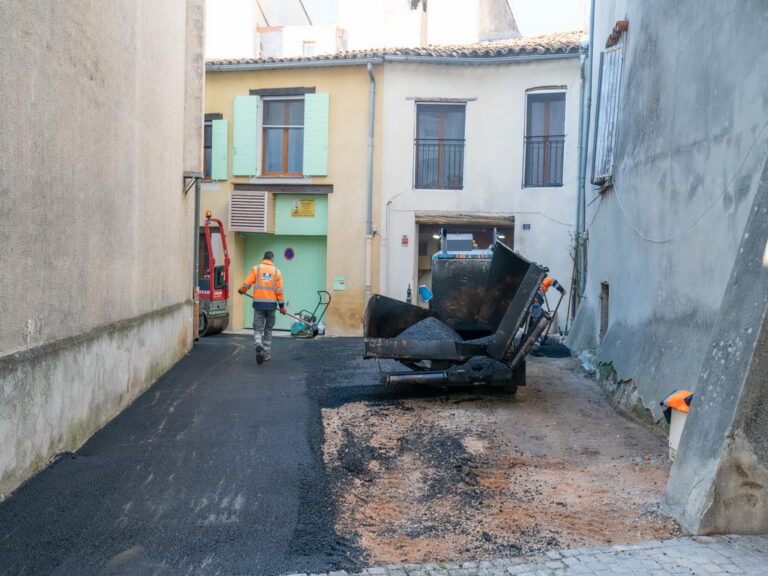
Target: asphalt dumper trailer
point(474, 331)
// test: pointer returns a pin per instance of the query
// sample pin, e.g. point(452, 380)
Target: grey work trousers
point(263, 322)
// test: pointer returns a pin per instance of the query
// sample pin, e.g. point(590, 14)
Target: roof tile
point(559, 43)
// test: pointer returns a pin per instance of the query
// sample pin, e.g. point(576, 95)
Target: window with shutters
point(214, 147)
point(608, 98)
point(439, 146)
point(283, 137)
point(280, 134)
point(207, 149)
point(544, 139)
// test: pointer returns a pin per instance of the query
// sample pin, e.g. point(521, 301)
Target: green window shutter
point(316, 134)
point(219, 145)
point(245, 136)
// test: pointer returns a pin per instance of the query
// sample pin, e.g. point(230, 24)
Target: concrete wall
point(381, 24)
point(95, 103)
point(463, 22)
point(347, 163)
point(692, 142)
point(493, 163)
point(288, 41)
point(719, 482)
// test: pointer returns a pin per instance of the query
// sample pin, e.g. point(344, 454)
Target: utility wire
point(305, 12)
point(703, 214)
point(263, 14)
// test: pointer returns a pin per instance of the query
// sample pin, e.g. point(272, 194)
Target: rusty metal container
point(475, 293)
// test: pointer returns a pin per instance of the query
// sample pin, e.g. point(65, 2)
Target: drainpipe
point(584, 136)
point(369, 211)
point(582, 147)
point(195, 270)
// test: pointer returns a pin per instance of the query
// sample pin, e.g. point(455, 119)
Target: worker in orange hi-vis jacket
point(538, 301)
point(267, 282)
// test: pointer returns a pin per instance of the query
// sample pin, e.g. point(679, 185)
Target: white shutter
point(609, 89)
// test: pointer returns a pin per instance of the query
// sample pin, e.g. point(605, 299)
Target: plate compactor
point(308, 324)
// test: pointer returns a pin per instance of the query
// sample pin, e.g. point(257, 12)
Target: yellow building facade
point(289, 168)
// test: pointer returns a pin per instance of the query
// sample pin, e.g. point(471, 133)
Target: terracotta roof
point(560, 43)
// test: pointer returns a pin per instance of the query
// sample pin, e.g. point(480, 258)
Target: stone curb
point(705, 555)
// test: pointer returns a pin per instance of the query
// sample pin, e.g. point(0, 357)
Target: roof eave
point(449, 60)
point(479, 60)
point(238, 66)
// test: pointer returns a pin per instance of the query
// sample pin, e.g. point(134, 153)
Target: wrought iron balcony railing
point(439, 163)
point(544, 160)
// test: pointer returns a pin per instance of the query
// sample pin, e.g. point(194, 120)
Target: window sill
point(555, 187)
point(438, 189)
point(281, 180)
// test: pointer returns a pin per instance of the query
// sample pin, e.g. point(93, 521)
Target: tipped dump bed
point(476, 296)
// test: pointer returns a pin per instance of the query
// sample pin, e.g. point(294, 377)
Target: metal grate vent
point(251, 212)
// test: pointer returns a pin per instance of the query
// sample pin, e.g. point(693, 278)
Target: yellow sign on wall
point(303, 208)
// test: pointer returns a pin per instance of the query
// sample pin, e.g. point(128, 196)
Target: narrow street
point(308, 464)
point(216, 469)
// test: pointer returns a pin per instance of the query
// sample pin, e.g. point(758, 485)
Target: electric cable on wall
point(703, 214)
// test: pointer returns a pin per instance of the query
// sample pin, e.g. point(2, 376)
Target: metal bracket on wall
point(194, 177)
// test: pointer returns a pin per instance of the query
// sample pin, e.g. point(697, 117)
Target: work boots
point(260, 354)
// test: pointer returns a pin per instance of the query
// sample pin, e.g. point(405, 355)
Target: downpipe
point(195, 267)
point(587, 115)
point(369, 195)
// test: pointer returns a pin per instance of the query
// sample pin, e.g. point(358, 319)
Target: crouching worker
point(267, 282)
point(537, 308)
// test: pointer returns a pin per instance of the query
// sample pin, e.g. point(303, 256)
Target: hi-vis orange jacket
point(267, 282)
point(548, 283)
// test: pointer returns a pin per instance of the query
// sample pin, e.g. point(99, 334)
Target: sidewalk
point(704, 555)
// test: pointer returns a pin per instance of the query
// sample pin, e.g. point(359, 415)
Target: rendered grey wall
point(719, 482)
point(692, 141)
point(97, 232)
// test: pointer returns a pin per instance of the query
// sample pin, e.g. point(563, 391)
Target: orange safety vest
point(267, 282)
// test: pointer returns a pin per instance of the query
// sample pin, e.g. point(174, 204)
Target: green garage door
point(303, 275)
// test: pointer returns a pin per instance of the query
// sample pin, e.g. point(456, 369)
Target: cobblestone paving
point(695, 555)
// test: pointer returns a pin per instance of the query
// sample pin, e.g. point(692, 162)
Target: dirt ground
point(473, 474)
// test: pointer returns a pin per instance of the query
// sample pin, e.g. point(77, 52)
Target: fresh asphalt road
point(216, 469)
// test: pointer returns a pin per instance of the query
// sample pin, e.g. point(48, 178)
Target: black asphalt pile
point(483, 367)
point(483, 340)
point(552, 349)
point(429, 330)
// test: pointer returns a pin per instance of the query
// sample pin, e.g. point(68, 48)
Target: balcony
point(544, 161)
point(439, 163)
